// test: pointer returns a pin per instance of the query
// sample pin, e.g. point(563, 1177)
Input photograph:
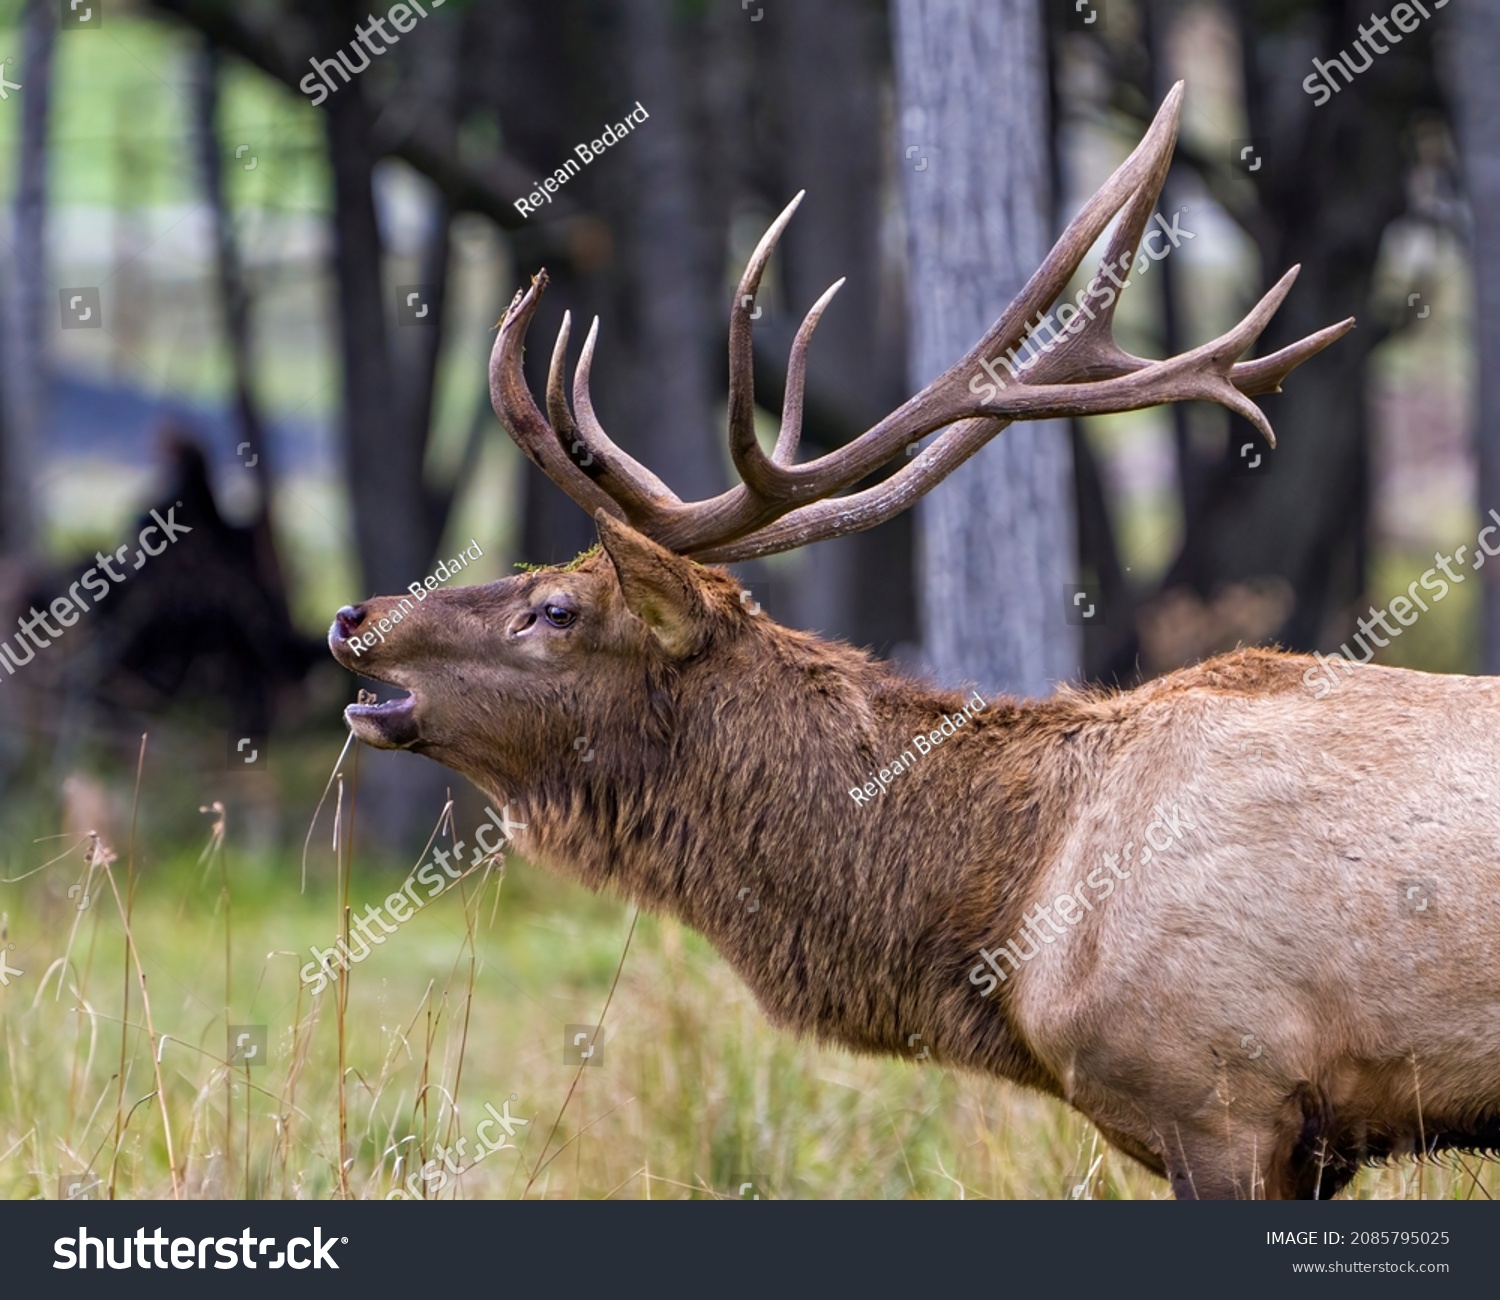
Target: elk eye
point(558, 616)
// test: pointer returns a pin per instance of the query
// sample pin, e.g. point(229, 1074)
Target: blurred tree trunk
point(1333, 178)
point(675, 257)
point(1156, 18)
point(23, 382)
point(388, 386)
point(233, 296)
point(1098, 554)
point(996, 540)
point(825, 77)
point(234, 299)
point(554, 81)
point(1477, 100)
point(651, 266)
point(387, 404)
point(1331, 183)
point(384, 464)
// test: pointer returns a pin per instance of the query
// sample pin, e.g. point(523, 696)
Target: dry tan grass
point(466, 1005)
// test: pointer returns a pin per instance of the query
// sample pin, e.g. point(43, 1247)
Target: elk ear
point(659, 587)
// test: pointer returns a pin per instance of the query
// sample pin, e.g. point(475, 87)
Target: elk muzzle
point(355, 640)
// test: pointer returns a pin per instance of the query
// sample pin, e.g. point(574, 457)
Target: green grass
point(466, 1005)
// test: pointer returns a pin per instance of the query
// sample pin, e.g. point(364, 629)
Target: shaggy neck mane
point(744, 828)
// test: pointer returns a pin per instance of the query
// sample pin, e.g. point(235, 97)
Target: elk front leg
point(1218, 1167)
point(1273, 1160)
point(1209, 1153)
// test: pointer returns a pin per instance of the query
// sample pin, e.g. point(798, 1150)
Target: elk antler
point(780, 505)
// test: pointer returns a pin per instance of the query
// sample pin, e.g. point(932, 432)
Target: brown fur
point(724, 750)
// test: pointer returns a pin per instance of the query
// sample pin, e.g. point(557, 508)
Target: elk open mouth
point(388, 724)
point(391, 724)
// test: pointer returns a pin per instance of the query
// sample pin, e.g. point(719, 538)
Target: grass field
point(465, 1007)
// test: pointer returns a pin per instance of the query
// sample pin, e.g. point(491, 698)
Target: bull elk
point(1254, 1011)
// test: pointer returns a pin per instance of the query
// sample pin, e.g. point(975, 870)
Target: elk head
point(504, 675)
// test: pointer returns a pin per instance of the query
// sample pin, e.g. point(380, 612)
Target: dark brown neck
point(855, 919)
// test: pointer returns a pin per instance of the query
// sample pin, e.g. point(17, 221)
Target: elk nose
point(349, 618)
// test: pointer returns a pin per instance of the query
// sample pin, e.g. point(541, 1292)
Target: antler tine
point(518, 412)
point(640, 493)
point(1130, 193)
point(1265, 374)
point(1203, 374)
point(557, 404)
point(1219, 356)
point(796, 377)
point(1094, 350)
point(749, 461)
